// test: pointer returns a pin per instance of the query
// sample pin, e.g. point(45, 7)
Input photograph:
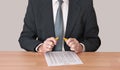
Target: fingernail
point(72, 49)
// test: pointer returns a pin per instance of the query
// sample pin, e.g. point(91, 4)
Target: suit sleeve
point(91, 39)
point(28, 36)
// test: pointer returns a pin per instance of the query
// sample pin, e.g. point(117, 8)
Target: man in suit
point(79, 20)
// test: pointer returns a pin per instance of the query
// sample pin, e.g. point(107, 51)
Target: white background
point(12, 13)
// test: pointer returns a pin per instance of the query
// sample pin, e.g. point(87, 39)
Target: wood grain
point(36, 61)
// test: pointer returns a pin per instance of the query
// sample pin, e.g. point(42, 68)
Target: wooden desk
point(35, 61)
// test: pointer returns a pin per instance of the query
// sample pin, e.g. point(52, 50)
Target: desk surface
point(36, 61)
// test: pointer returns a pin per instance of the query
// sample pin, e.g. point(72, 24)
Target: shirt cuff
point(36, 49)
point(83, 47)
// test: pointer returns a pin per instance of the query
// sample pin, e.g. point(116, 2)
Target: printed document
point(62, 58)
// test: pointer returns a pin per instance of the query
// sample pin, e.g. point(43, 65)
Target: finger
point(72, 43)
point(53, 40)
point(69, 40)
point(50, 43)
point(48, 49)
point(72, 49)
point(73, 46)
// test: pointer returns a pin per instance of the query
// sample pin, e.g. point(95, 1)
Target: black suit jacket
point(39, 24)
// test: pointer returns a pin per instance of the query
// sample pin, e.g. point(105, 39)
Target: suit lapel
point(74, 10)
point(47, 16)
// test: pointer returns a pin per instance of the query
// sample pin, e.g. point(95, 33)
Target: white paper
point(62, 58)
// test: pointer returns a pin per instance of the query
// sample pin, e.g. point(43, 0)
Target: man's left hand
point(74, 45)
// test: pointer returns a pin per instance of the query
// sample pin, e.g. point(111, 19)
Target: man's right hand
point(48, 45)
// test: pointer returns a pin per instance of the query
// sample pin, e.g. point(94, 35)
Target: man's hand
point(74, 45)
point(47, 45)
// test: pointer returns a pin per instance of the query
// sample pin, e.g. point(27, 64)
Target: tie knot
point(60, 2)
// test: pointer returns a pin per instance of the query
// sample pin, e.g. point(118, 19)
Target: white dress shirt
point(65, 7)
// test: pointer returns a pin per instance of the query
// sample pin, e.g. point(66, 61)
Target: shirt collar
point(65, 1)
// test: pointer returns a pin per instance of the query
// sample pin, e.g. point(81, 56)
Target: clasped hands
point(49, 44)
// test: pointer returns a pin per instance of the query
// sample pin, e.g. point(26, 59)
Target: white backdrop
point(12, 14)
